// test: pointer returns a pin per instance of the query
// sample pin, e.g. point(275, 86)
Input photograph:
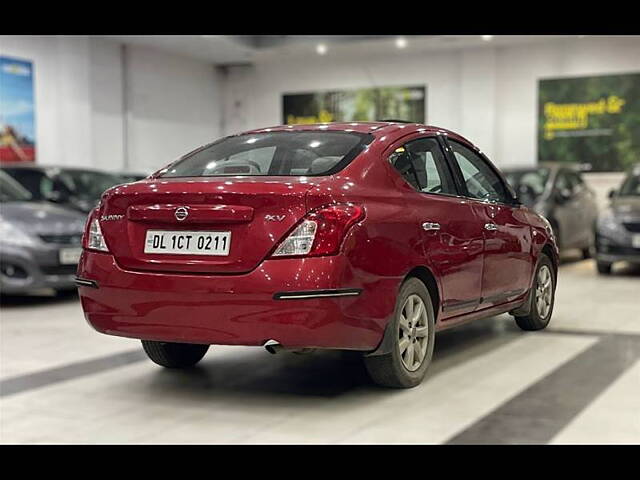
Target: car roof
point(24, 166)
point(379, 129)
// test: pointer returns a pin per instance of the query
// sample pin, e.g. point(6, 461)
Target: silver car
point(618, 228)
point(558, 192)
point(40, 243)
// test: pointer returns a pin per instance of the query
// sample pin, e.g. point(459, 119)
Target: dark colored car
point(559, 193)
point(128, 177)
point(76, 188)
point(618, 229)
point(40, 243)
point(355, 236)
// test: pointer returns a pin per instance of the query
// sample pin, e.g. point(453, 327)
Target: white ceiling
point(225, 49)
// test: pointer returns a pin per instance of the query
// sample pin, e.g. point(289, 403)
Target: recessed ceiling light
point(401, 42)
point(487, 38)
point(321, 49)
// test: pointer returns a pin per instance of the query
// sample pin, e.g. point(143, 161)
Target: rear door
point(507, 265)
point(451, 232)
point(586, 210)
point(568, 211)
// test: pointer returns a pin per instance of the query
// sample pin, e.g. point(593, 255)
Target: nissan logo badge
point(181, 213)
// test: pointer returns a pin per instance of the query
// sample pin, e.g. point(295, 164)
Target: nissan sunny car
point(356, 236)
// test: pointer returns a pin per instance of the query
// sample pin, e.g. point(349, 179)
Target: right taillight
point(93, 238)
point(321, 232)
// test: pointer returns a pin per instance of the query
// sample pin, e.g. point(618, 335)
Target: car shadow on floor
point(254, 373)
point(39, 298)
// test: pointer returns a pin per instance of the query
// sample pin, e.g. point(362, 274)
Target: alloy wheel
point(544, 291)
point(413, 332)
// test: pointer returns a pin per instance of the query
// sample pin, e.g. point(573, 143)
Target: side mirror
point(612, 193)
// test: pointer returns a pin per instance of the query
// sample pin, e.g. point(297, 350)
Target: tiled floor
point(576, 382)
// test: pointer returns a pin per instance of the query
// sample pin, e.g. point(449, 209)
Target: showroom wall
point(487, 93)
point(81, 92)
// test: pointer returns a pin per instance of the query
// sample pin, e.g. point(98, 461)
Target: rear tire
point(542, 297)
point(174, 355)
point(413, 331)
point(604, 268)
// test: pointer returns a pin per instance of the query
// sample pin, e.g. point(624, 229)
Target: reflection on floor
point(578, 381)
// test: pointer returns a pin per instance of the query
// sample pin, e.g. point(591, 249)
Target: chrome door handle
point(490, 226)
point(430, 226)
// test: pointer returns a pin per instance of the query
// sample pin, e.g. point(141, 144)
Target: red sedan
point(355, 236)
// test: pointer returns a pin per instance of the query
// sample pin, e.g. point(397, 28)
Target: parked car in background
point(77, 188)
point(618, 228)
point(40, 243)
point(559, 193)
point(355, 236)
point(128, 177)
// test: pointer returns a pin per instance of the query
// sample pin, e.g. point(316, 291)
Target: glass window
point(563, 181)
point(480, 180)
point(84, 184)
point(294, 153)
point(12, 191)
point(631, 186)
point(422, 164)
point(30, 179)
point(529, 184)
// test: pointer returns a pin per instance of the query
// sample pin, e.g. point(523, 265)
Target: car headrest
point(323, 164)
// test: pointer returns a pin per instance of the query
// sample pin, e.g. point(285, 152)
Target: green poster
point(363, 104)
point(590, 120)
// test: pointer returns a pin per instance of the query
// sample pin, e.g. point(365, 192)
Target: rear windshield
point(274, 153)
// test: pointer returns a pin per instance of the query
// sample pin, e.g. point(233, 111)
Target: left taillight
point(320, 232)
point(93, 238)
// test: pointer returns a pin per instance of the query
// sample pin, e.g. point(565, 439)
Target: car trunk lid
point(257, 213)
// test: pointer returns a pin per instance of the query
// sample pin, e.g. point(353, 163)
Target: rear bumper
point(313, 302)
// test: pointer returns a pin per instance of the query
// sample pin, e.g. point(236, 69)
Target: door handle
point(430, 226)
point(490, 226)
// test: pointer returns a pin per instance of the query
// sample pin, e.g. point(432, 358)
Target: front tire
point(174, 355)
point(604, 268)
point(542, 297)
point(413, 331)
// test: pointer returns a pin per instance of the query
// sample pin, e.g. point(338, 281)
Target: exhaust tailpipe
point(273, 347)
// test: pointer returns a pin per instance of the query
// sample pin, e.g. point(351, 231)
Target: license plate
point(69, 256)
point(187, 243)
point(635, 241)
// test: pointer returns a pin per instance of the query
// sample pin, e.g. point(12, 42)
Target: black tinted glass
point(274, 153)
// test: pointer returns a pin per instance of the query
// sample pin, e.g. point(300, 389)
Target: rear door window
point(422, 164)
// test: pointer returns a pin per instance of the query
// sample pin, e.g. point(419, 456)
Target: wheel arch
point(550, 252)
point(426, 276)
